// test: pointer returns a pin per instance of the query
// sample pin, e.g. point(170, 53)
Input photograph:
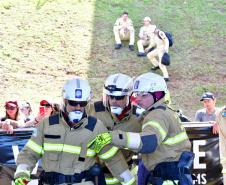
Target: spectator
point(56, 107)
point(49, 110)
point(208, 114)
point(162, 46)
point(26, 110)
point(145, 35)
point(123, 30)
point(12, 116)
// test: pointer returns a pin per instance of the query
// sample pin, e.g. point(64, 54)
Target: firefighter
point(117, 113)
point(162, 46)
point(221, 122)
point(163, 142)
point(145, 34)
point(61, 141)
point(123, 30)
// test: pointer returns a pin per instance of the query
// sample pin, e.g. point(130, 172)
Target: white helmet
point(117, 85)
point(76, 89)
point(150, 82)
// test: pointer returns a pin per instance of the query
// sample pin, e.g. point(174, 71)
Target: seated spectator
point(12, 116)
point(49, 110)
point(208, 114)
point(26, 110)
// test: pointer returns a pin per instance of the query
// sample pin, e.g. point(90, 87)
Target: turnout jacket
point(64, 149)
point(127, 123)
point(221, 121)
point(162, 139)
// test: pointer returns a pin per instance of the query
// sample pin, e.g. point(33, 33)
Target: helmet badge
point(78, 93)
point(136, 85)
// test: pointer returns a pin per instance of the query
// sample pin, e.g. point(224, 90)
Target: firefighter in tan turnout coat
point(61, 141)
point(163, 142)
point(117, 113)
point(221, 121)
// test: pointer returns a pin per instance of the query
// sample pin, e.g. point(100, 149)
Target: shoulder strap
point(91, 123)
point(159, 35)
point(54, 119)
point(160, 107)
point(99, 106)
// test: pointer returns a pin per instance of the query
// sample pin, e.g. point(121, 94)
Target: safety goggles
point(141, 94)
point(116, 97)
point(8, 108)
point(75, 103)
point(46, 105)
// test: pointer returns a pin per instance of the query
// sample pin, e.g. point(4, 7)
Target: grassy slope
point(40, 48)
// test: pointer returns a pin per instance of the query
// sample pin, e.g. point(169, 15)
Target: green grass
point(45, 42)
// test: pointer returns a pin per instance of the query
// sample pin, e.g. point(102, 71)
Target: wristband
point(36, 120)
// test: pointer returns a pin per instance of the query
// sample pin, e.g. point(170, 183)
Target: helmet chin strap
point(157, 99)
point(154, 97)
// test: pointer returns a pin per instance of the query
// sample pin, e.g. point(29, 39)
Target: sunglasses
point(8, 108)
point(116, 97)
point(75, 103)
point(46, 105)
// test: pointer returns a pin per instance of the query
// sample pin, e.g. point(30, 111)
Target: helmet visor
point(112, 92)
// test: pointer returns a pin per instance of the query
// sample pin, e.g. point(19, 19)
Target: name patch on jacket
point(52, 136)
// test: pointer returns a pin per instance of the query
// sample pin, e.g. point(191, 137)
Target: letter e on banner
point(198, 154)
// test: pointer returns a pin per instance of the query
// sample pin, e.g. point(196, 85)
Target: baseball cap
point(147, 19)
point(207, 95)
point(12, 103)
point(45, 101)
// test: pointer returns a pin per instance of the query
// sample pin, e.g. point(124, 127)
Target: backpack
point(165, 59)
point(169, 36)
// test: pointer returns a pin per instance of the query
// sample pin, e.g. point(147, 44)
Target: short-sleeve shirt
point(203, 116)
